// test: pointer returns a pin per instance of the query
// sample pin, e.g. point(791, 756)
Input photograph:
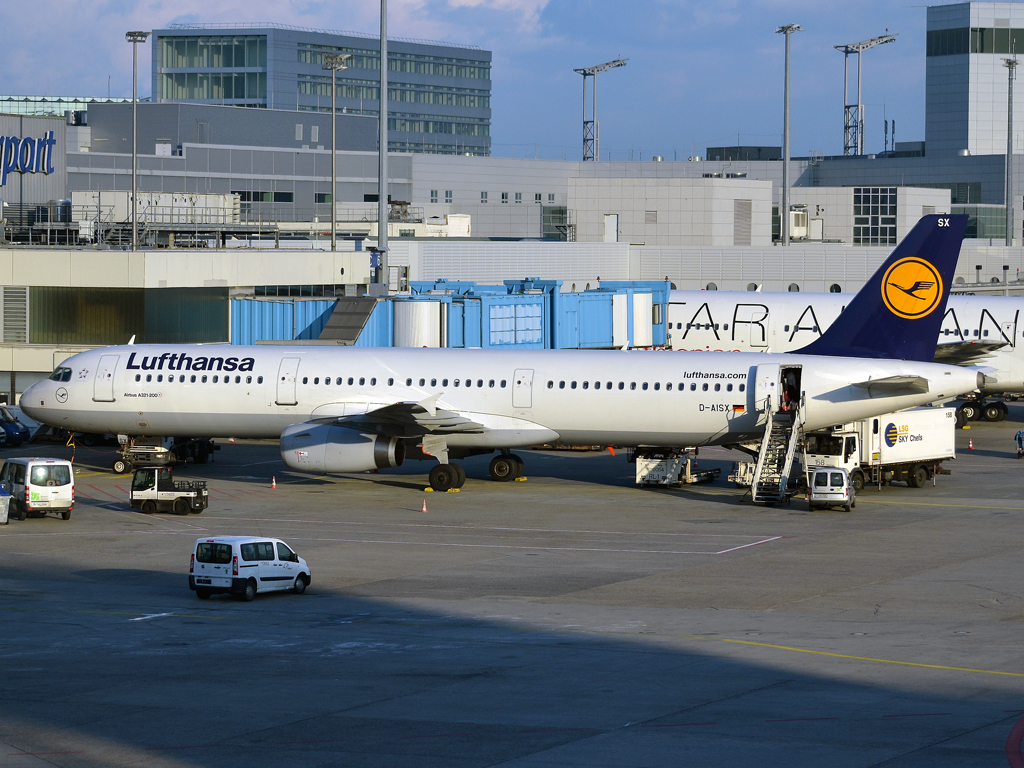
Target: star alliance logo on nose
point(911, 288)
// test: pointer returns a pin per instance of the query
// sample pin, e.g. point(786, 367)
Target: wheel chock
point(520, 479)
point(453, 490)
point(966, 426)
point(428, 489)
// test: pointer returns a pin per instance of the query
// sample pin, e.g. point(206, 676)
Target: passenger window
point(622, 385)
point(337, 381)
point(248, 552)
point(149, 377)
point(456, 382)
point(238, 380)
point(423, 382)
point(597, 385)
point(608, 385)
point(561, 385)
point(316, 380)
point(479, 382)
point(305, 380)
point(785, 328)
point(327, 381)
point(264, 550)
point(204, 379)
point(159, 377)
point(718, 387)
point(469, 383)
point(138, 377)
point(693, 387)
point(192, 379)
point(373, 382)
point(657, 386)
point(821, 480)
point(408, 382)
point(181, 379)
point(704, 387)
point(19, 474)
point(668, 387)
point(215, 378)
point(586, 385)
point(433, 382)
point(248, 379)
point(218, 554)
point(503, 383)
point(742, 387)
point(645, 386)
point(362, 381)
point(391, 382)
point(632, 385)
point(350, 380)
point(227, 379)
point(837, 479)
point(259, 379)
point(491, 383)
point(285, 554)
point(551, 384)
point(572, 385)
point(725, 327)
point(728, 387)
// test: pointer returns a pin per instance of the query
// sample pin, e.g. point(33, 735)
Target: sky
point(699, 74)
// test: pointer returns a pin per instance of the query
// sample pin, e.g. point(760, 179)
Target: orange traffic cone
point(424, 510)
point(273, 481)
point(970, 444)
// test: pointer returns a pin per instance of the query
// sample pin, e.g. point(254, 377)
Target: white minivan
point(830, 487)
point(245, 565)
point(38, 486)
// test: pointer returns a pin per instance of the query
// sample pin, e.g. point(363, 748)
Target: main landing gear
point(506, 466)
point(447, 477)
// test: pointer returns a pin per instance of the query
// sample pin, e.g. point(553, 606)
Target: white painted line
point(151, 616)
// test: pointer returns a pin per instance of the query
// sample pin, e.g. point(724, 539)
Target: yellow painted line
point(965, 505)
point(867, 658)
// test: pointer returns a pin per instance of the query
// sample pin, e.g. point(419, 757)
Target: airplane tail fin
point(899, 311)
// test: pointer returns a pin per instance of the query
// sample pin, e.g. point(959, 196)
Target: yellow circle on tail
point(912, 288)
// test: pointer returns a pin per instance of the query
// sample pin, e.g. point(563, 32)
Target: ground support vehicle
point(39, 486)
point(155, 490)
point(160, 451)
point(907, 446)
point(244, 565)
point(669, 466)
point(830, 487)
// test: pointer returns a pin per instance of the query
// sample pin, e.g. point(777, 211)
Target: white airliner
point(984, 331)
point(356, 409)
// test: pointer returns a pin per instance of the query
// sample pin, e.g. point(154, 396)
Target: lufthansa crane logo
point(912, 288)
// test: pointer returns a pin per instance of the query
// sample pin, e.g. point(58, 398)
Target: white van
point(38, 486)
point(245, 565)
point(830, 487)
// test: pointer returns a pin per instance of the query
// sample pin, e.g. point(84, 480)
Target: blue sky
point(699, 73)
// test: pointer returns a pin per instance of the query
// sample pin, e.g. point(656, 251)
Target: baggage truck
point(906, 446)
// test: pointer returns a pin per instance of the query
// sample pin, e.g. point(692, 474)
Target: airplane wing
point(894, 384)
point(409, 419)
point(965, 352)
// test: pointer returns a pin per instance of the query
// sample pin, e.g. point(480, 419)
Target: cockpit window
point(61, 374)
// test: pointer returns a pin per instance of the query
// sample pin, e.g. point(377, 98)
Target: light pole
point(334, 62)
point(1011, 70)
point(382, 172)
point(135, 38)
point(787, 30)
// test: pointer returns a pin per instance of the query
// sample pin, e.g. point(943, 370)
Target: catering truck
point(907, 446)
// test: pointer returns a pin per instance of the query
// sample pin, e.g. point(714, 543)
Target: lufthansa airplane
point(347, 409)
point(982, 331)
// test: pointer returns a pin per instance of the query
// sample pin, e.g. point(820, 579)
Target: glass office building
point(439, 94)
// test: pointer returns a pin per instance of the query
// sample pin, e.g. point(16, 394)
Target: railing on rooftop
point(292, 28)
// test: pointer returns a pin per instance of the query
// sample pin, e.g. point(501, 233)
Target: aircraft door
point(286, 378)
point(522, 390)
point(1010, 332)
point(766, 385)
point(103, 387)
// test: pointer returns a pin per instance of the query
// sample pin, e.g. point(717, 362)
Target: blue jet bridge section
point(520, 314)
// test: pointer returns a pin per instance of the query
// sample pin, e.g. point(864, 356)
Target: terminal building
point(243, 179)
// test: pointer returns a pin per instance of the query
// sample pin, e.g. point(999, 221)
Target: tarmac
point(573, 619)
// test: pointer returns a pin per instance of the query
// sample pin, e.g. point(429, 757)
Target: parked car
point(39, 486)
point(830, 487)
point(15, 432)
point(244, 565)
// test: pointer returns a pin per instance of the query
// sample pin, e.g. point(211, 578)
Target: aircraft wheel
point(969, 411)
point(520, 465)
point(503, 468)
point(120, 466)
point(993, 412)
point(443, 477)
point(461, 472)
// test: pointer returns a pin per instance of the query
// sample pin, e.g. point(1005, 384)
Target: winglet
point(898, 312)
point(429, 404)
point(131, 341)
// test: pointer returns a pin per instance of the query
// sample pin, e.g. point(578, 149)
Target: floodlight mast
point(335, 62)
point(787, 30)
point(853, 114)
point(1011, 66)
point(591, 139)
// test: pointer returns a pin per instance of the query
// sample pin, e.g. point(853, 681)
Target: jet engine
point(328, 448)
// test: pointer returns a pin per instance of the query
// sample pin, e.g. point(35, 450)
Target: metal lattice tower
point(591, 147)
point(853, 114)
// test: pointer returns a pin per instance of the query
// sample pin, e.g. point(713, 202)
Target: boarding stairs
point(775, 459)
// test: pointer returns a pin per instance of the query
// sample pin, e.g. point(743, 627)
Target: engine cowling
point(327, 448)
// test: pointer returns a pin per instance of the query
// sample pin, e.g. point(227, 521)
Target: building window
point(483, 197)
point(504, 197)
point(551, 197)
point(519, 197)
point(448, 196)
point(407, 233)
point(323, 197)
point(284, 197)
point(874, 215)
point(537, 198)
point(433, 195)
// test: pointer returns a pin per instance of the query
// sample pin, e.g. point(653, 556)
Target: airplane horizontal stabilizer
point(966, 352)
point(894, 384)
point(898, 312)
